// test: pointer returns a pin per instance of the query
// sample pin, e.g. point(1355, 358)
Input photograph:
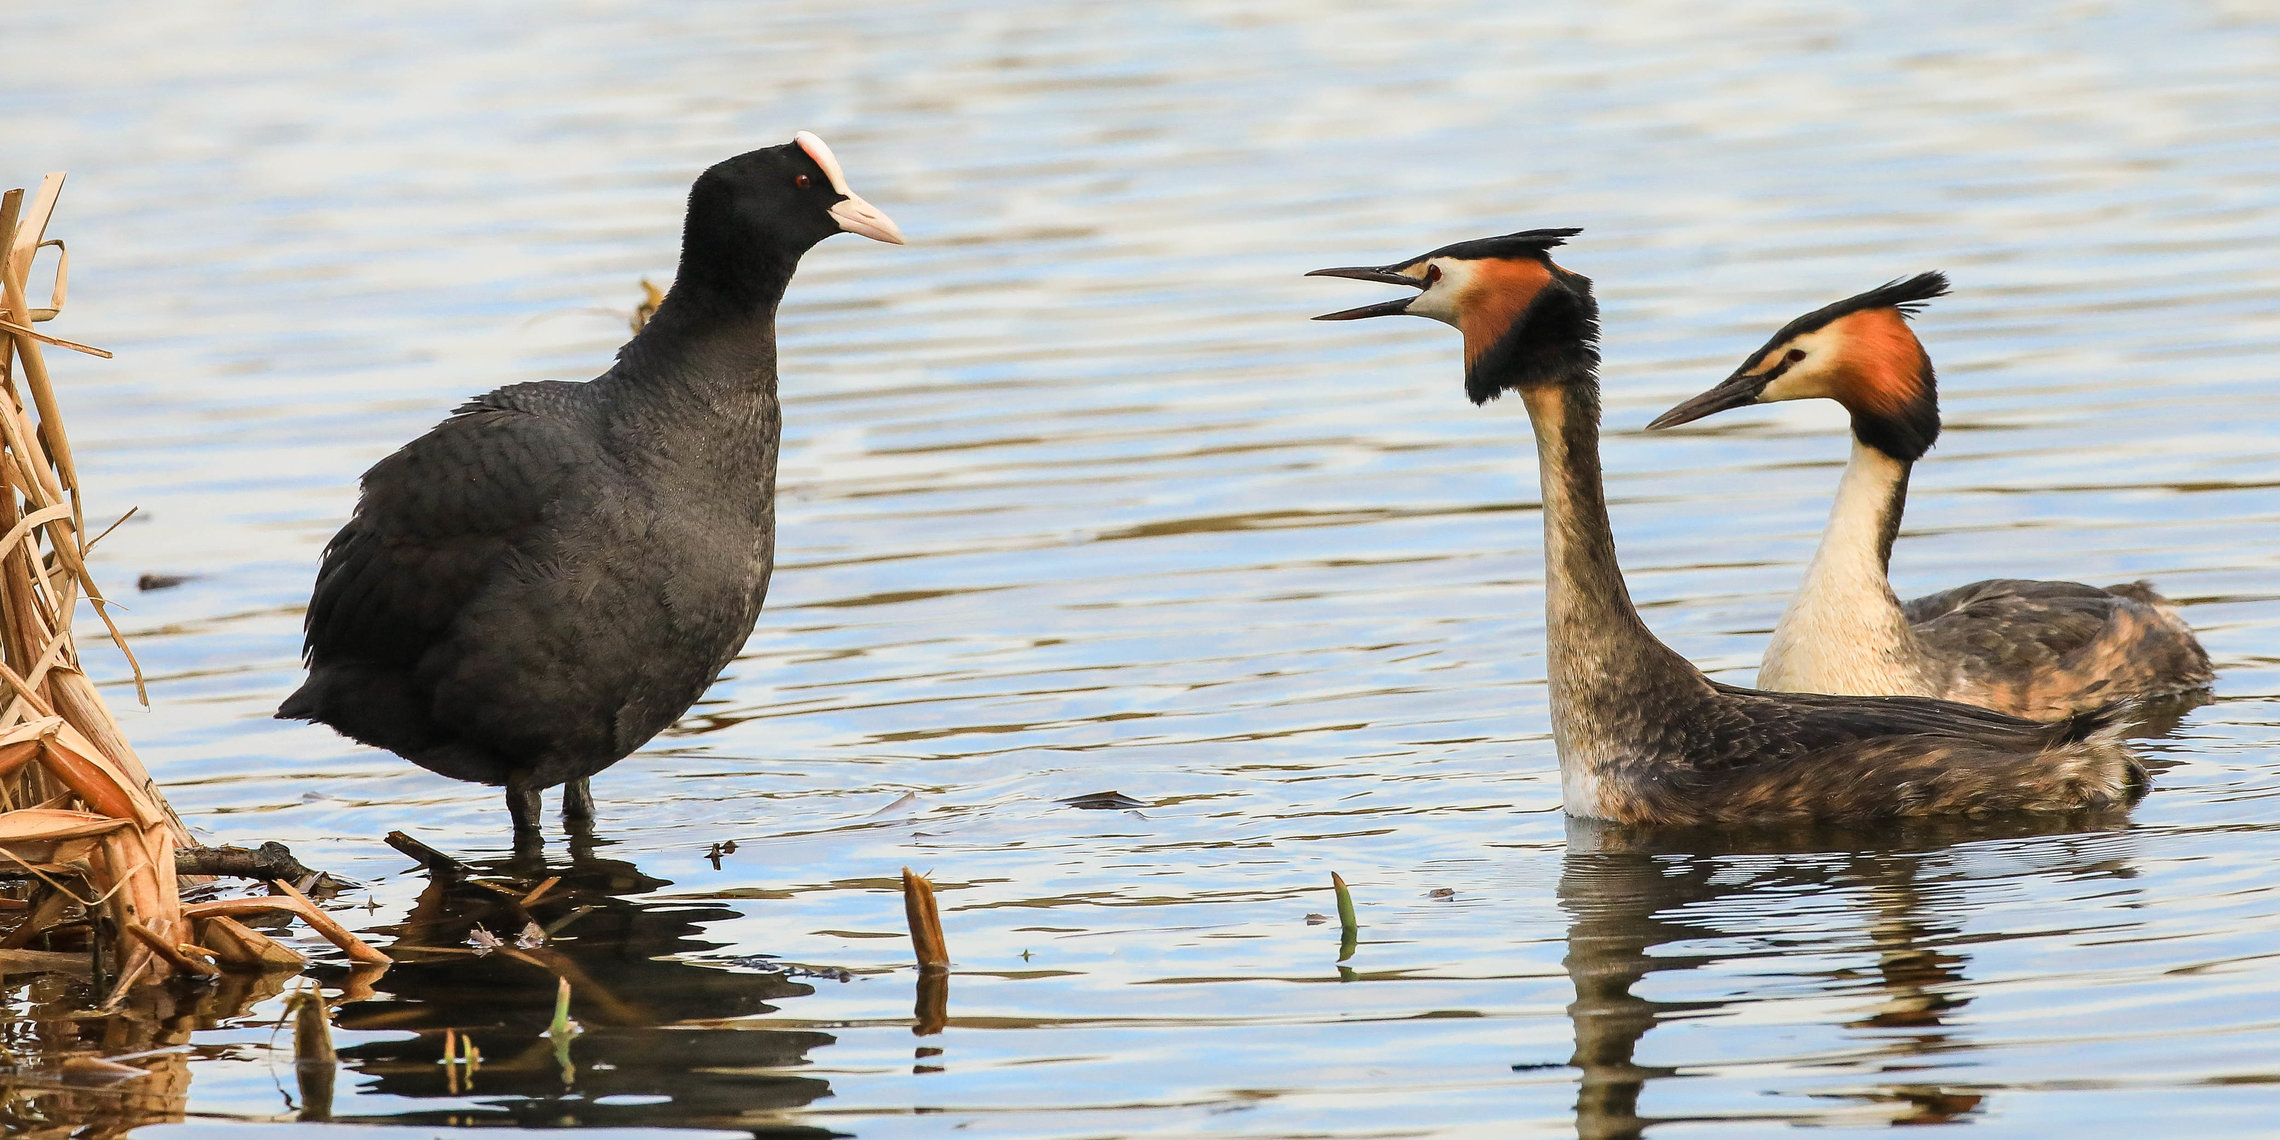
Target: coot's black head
point(1859, 352)
point(1526, 321)
point(752, 216)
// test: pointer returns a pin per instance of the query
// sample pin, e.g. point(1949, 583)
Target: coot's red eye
point(800, 181)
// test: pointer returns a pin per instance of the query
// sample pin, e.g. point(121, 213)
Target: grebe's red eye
point(1795, 355)
point(1432, 274)
point(800, 180)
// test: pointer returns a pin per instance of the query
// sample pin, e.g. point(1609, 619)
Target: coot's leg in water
point(523, 808)
point(578, 804)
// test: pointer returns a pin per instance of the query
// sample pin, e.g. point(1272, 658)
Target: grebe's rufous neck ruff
point(1859, 352)
point(1525, 320)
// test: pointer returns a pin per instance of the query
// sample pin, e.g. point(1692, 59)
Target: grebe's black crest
point(1908, 294)
point(1526, 243)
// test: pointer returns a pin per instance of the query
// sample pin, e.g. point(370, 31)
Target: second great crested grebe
point(2032, 649)
point(1643, 737)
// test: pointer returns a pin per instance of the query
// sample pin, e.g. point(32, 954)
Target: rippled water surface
point(1076, 500)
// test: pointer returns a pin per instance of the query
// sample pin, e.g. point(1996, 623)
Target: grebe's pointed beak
point(1376, 273)
point(1736, 391)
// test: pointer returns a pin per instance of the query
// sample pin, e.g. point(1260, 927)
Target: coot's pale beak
point(853, 214)
point(857, 216)
point(1735, 391)
point(1382, 274)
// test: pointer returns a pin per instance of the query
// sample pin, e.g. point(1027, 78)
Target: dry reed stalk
point(356, 948)
point(925, 921)
point(231, 941)
point(79, 813)
point(931, 1012)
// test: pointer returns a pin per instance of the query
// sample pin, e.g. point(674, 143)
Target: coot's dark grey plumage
point(549, 578)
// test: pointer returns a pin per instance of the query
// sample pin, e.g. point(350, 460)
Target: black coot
point(549, 578)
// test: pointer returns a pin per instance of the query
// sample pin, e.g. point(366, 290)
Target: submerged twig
point(269, 861)
point(435, 861)
point(89, 1070)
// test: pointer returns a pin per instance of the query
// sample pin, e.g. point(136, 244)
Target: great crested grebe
point(546, 580)
point(2033, 649)
point(1643, 737)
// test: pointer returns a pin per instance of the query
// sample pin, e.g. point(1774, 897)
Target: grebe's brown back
point(1643, 737)
point(2033, 649)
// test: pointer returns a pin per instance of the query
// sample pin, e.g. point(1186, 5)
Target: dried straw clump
point(81, 822)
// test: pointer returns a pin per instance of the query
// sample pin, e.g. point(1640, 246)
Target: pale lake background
point(1075, 500)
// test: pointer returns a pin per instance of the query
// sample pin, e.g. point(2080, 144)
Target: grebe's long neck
point(1844, 631)
point(1587, 608)
point(1609, 675)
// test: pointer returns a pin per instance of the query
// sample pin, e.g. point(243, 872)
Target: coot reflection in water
point(639, 1060)
point(1714, 902)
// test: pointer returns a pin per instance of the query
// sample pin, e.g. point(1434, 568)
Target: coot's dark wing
point(437, 517)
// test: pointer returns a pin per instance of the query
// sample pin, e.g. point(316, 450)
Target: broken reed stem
point(323, 924)
point(59, 342)
point(175, 955)
point(312, 1032)
point(925, 922)
point(28, 239)
point(316, 1065)
point(1349, 928)
point(561, 1031)
point(560, 1026)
